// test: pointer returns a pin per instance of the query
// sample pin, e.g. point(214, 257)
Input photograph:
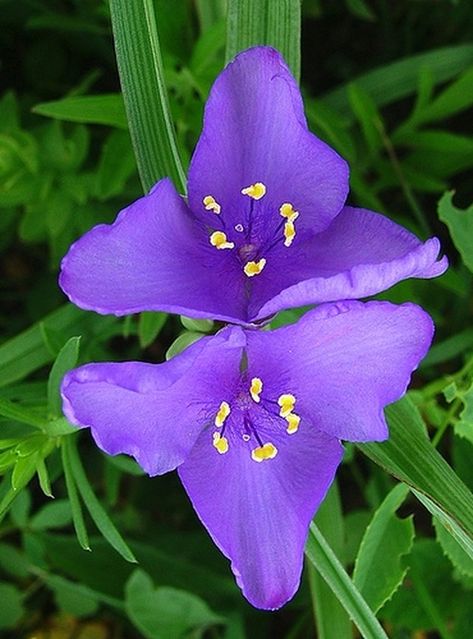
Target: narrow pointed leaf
point(140, 67)
point(325, 561)
point(409, 456)
point(95, 508)
point(76, 507)
point(266, 22)
point(66, 359)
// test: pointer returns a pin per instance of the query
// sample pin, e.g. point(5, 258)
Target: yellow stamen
point(287, 211)
point(293, 422)
point(289, 233)
point(223, 413)
point(286, 402)
point(211, 204)
point(254, 268)
point(219, 240)
point(267, 451)
point(256, 190)
point(256, 389)
point(220, 443)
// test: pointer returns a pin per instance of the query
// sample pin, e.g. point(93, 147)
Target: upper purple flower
point(265, 227)
point(252, 419)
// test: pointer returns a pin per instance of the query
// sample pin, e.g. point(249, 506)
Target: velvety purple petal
point(255, 131)
point(344, 363)
point(258, 514)
point(155, 412)
point(154, 257)
point(360, 254)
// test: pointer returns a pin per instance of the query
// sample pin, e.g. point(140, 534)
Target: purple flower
point(252, 420)
point(265, 227)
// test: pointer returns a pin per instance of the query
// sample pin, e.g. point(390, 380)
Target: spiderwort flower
point(252, 420)
point(265, 227)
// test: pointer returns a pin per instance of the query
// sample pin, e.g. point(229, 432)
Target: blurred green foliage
point(390, 86)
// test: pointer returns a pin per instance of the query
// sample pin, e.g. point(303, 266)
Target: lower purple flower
point(252, 420)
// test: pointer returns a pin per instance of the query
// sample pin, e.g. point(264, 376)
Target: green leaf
point(181, 343)
point(367, 115)
point(209, 12)
point(11, 608)
point(202, 326)
point(66, 359)
point(29, 350)
point(460, 225)
point(277, 24)
point(23, 471)
point(74, 599)
point(13, 561)
point(455, 98)
point(12, 410)
point(165, 612)
point(410, 457)
point(150, 325)
point(399, 79)
point(332, 622)
point(56, 514)
point(360, 9)
point(72, 493)
point(461, 560)
point(95, 508)
point(325, 561)
point(117, 164)
point(378, 569)
point(142, 78)
point(89, 109)
point(43, 477)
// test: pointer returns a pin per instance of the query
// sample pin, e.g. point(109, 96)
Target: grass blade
point(146, 102)
point(278, 24)
point(77, 514)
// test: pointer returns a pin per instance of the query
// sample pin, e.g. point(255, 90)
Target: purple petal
point(360, 254)
point(258, 513)
point(255, 131)
point(155, 256)
point(344, 363)
point(154, 412)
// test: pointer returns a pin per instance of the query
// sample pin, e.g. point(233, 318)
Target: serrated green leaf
point(460, 225)
point(461, 560)
point(150, 325)
point(140, 67)
point(378, 568)
point(89, 109)
point(95, 508)
point(277, 24)
point(165, 612)
point(66, 359)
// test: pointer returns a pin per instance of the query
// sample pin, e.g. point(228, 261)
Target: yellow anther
point(254, 268)
point(289, 233)
point(220, 443)
point(211, 204)
point(286, 402)
point(220, 241)
point(256, 190)
point(267, 451)
point(287, 211)
point(223, 413)
point(293, 422)
point(256, 389)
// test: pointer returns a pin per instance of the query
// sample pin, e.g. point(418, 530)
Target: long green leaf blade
point(76, 508)
point(325, 561)
point(409, 456)
point(66, 359)
point(277, 24)
point(144, 92)
point(95, 508)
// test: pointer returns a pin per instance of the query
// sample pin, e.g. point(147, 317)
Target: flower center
point(280, 409)
point(248, 253)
